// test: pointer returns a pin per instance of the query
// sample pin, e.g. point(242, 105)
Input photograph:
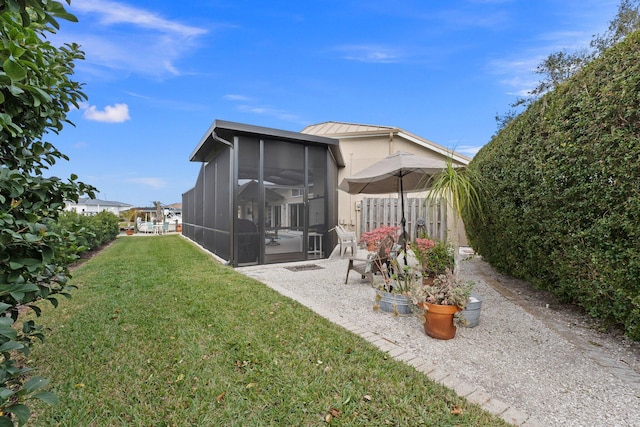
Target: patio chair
point(145, 227)
point(347, 240)
point(375, 260)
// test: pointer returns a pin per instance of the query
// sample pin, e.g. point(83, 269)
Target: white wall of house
point(94, 207)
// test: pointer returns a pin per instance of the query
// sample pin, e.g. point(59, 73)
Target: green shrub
point(36, 93)
point(80, 233)
point(564, 205)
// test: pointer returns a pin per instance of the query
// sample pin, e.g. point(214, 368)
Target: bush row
point(87, 233)
point(563, 206)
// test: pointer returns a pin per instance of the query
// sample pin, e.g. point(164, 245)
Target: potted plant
point(441, 301)
point(394, 282)
point(434, 257)
point(374, 238)
point(394, 290)
point(462, 189)
point(471, 313)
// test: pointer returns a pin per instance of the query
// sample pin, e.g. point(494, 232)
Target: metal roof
point(221, 133)
point(342, 128)
point(97, 202)
point(354, 130)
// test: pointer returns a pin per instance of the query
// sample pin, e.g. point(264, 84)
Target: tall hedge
point(37, 91)
point(563, 206)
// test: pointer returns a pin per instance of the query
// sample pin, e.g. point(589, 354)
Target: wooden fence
point(377, 212)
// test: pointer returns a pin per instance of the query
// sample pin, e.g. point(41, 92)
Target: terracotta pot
point(129, 232)
point(371, 247)
point(438, 321)
point(179, 228)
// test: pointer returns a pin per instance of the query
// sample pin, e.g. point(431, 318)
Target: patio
point(530, 360)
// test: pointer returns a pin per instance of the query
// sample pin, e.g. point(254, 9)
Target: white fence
point(377, 212)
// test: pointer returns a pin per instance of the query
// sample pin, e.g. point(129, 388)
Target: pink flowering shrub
point(433, 257)
point(422, 248)
point(377, 235)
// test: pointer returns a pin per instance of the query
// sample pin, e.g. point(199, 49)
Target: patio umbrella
point(400, 172)
point(249, 192)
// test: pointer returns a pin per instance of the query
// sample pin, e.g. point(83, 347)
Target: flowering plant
point(447, 289)
point(377, 235)
point(434, 257)
point(421, 248)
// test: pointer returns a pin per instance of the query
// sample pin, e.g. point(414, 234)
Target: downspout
point(219, 139)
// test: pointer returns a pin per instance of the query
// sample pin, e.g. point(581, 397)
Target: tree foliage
point(564, 211)
point(560, 66)
point(36, 93)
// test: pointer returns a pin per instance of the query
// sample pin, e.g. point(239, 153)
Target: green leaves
point(14, 70)
point(36, 93)
point(564, 183)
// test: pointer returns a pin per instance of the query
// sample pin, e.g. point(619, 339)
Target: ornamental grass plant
point(158, 333)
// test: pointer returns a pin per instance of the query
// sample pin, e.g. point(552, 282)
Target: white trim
point(460, 158)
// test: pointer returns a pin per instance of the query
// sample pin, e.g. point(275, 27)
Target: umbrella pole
point(403, 221)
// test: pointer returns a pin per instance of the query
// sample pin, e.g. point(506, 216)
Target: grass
point(159, 334)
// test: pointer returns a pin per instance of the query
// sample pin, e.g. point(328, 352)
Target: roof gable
point(354, 130)
point(342, 128)
point(221, 133)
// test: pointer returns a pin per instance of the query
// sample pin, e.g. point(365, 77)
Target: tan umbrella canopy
point(249, 191)
point(399, 172)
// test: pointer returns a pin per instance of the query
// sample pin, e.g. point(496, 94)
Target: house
point(87, 206)
point(263, 195)
point(266, 195)
point(362, 145)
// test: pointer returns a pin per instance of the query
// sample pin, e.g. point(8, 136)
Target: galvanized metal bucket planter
point(394, 303)
point(472, 311)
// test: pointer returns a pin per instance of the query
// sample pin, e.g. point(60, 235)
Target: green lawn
point(159, 334)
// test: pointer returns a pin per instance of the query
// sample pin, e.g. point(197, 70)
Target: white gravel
point(544, 361)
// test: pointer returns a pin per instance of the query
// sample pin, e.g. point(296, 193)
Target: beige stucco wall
point(362, 151)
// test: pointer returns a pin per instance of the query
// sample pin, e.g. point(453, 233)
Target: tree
point(626, 21)
point(36, 93)
point(558, 67)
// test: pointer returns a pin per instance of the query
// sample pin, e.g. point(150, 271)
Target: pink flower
point(377, 235)
point(421, 248)
point(424, 244)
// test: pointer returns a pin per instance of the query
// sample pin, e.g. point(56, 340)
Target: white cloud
point(111, 13)
point(117, 113)
point(80, 144)
point(246, 104)
point(271, 112)
point(155, 183)
point(236, 97)
point(370, 53)
point(132, 40)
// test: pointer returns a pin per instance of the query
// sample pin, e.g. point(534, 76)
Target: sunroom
point(263, 195)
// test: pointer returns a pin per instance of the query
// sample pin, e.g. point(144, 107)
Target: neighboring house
point(362, 145)
point(87, 206)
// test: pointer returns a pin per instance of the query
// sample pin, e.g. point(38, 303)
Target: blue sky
point(159, 72)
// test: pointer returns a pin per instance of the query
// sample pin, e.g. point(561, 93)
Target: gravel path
point(540, 358)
